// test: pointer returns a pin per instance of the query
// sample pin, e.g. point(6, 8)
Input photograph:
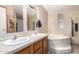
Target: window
point(60, 21)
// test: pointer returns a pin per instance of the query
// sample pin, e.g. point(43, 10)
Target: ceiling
point(49, 8)
point(53, 8)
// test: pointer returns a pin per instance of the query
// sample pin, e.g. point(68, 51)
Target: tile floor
point(75, 49)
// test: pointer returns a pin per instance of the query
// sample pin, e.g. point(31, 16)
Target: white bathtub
point(57, 37)
point(59, 43)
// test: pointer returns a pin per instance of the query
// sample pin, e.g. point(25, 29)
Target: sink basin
point(16, 41)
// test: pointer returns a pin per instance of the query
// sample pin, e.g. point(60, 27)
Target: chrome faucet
point(15, 37)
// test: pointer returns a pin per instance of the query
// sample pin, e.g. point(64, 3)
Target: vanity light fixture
point(32, 7)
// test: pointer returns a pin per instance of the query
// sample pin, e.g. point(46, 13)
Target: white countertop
point(5, 49)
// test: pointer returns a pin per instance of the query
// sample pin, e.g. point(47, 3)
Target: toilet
point(59, 44)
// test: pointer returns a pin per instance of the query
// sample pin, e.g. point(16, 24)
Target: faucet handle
point(15, 37)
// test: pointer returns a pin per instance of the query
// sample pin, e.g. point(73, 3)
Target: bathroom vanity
point(37, 44)
point(38, 47)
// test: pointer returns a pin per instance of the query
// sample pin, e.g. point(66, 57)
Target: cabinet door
point(37, 47)
point(38, 51)
point(28, 50)
point(45, 45)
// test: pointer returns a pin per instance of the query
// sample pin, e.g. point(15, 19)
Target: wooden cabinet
point(37, 47)
point(45, 45)
point(38, 51)
point(40, 47)
point(11, 24)
point(27, 50)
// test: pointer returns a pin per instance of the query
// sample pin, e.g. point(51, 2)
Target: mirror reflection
point(2, 20)
point(31, 18)
point(14, 16)
point(19, 17)
point(15, 21)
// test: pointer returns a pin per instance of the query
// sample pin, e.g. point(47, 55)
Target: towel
point(38, 24)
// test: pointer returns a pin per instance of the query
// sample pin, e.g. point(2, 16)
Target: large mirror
point(15, 19)
point(19, 17)
point(2, 20)
point(31, 18)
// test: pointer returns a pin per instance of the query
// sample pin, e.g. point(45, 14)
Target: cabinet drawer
point(39, 51)
point(37, 45)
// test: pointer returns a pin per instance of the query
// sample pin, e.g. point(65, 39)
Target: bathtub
point(57, 37)
point(59, 43)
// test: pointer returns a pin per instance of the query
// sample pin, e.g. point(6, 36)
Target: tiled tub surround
point(5, 49)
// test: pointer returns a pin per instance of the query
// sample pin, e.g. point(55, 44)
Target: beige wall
point(68, 14)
